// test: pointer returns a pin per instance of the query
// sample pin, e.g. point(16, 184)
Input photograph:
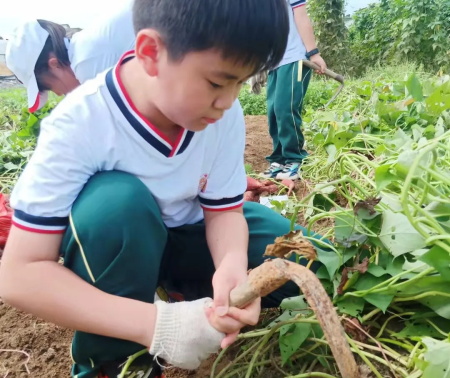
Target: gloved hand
point(183, 336)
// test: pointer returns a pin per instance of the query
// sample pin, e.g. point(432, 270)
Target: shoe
point(290, 171)
point(273, 170)
point(142, 367)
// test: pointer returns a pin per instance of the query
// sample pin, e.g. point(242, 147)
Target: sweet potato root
point(290, 184)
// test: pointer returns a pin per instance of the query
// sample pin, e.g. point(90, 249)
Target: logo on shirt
point(202, 183)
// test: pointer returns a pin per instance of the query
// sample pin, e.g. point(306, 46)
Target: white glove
point(183, 336)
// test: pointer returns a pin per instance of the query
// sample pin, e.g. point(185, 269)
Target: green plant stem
point(445, 334)
point(263, 332)
point(421, 296)
point(398, 343)
point(361, 354)
point(396, 356)
point(388, 284)
point(238, 358)
point(130, 360)
point(371, 314)
point(380, 332)
point(257, 352)
point(234, 373)
point(413, 355)
point(312, 374)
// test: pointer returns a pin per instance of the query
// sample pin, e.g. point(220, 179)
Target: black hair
point(53, 45)
point(253, 32)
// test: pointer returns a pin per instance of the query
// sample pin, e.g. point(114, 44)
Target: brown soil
point(29, 344)
point(258, 144)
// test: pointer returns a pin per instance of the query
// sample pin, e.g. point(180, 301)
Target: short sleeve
point(89, 68)
point(55, 175)
point(225, 186)
point(100, 46)
point(297, 3)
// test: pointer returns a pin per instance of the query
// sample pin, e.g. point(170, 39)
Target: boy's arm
point(305, 29)
point(226, 227)
point(227, 236)
point(32, 280)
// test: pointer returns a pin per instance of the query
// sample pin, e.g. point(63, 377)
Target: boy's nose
point(225, 101)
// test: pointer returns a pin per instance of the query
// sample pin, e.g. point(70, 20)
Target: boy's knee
point(114, 194)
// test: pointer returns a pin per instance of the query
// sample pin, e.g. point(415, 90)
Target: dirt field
point(32, 348)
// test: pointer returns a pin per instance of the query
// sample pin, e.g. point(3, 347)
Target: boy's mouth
point(209, 120)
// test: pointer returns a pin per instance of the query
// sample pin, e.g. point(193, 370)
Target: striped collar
point(149, 132)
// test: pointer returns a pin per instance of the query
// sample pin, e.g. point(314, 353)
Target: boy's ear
point(53, 62)
point(148, 50)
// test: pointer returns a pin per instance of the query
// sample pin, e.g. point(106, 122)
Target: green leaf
point(322, 273)
point(332, 151)
point(398, 235)
point(439, 259)
point(286, 315)
point(10, 166)
point(382, 301)
point(316, 331)
point(367, 281)
point(347, 231)
point(394, 267)
point(414, 88)
point(292, 336)
point(344, 226)
point(438, 102)
point(331, 260)
point(383, 176)
point(352, 306)
point(417, 328)
point(294, 303)
point(437, 358)
point(440, 303)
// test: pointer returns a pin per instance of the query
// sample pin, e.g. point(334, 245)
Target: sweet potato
point(290, 184)
point(251, 196)
point(253, 184)
point(271, 189)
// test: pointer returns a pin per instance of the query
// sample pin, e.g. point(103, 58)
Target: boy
point(286, 89)
point(138, 178)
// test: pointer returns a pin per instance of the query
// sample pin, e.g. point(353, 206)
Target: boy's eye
point(215, 85)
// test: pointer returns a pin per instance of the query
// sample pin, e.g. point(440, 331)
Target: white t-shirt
point(295, 49)
point(97, 128)
point(100, 46)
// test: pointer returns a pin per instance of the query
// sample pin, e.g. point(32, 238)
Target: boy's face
point(196, 91)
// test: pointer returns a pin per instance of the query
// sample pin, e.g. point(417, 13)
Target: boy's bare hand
point(224, 318)
point(234, 320)
point(317, 59)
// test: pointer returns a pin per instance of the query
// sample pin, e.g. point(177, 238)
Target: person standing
point(286, 88)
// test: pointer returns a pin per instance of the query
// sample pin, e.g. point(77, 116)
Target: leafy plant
point(18, 132)
point(380, 190)
point(251, 103)
point(395, 30)
point(331, 32)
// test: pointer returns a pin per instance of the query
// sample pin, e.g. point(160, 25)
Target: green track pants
point(286, 89)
